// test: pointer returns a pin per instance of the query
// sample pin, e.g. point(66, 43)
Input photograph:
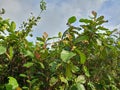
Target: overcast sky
point(58, 11)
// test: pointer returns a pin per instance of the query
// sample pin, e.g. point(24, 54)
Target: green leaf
point(71, 19)
point(108, 32)
point(85, 20)
point(29, 53)
point(13, 26)
point(28, 64)
point(91, 84)
point(86, 71)
point(80, 79)
point(51, 38)
point(68, 72)
point(42, 65)
point(1, 18)
point(100, 18)
point(60, 34)
point(8, 87)
point(77, 86)
point(82, 56)
point(101, 22)
point(64, 80)
point(118, 42)
point(81, 38)
point(74, 87)
point(2, 50)
point(53, 81)
point(66, 55)
point(40, 39)
point(11, 52)
point(28, 81)
point(75, 68)
point(25, 88)
point(53, 66)
point(12, 82)
point(99, 42)
point(42, 5)
point(102, 28)
point(80, 86)
point(23, 75)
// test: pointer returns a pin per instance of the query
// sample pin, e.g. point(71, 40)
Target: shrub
point(82, 58)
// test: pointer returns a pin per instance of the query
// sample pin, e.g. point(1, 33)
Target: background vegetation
point(83, 58)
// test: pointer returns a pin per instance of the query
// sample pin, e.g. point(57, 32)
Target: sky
point(54, 19)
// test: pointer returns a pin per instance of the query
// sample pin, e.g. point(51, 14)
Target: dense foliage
point(83, 58)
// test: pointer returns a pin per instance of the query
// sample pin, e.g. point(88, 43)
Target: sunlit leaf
point(80, 79)
point(118, 42)
point(64, 80)
point(82, 56)
point(71, 19)
point(42, 65)
point(13, 26)
point(77, 86)
point(23, 75)
point(80, 86)
point(99, 42)
point(28, 64)
point(2, 50)
point(86, 71)
point(66, 55)
point(28, 81)
point(29, 53)
point(53, 81)
point(81, 38)
point(13, 82)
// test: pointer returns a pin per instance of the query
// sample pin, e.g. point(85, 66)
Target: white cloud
point(13, 8)
point(18, 10)
point(112, 12)
point(55, 17)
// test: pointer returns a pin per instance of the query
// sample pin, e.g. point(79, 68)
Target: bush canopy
point(83, 58)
